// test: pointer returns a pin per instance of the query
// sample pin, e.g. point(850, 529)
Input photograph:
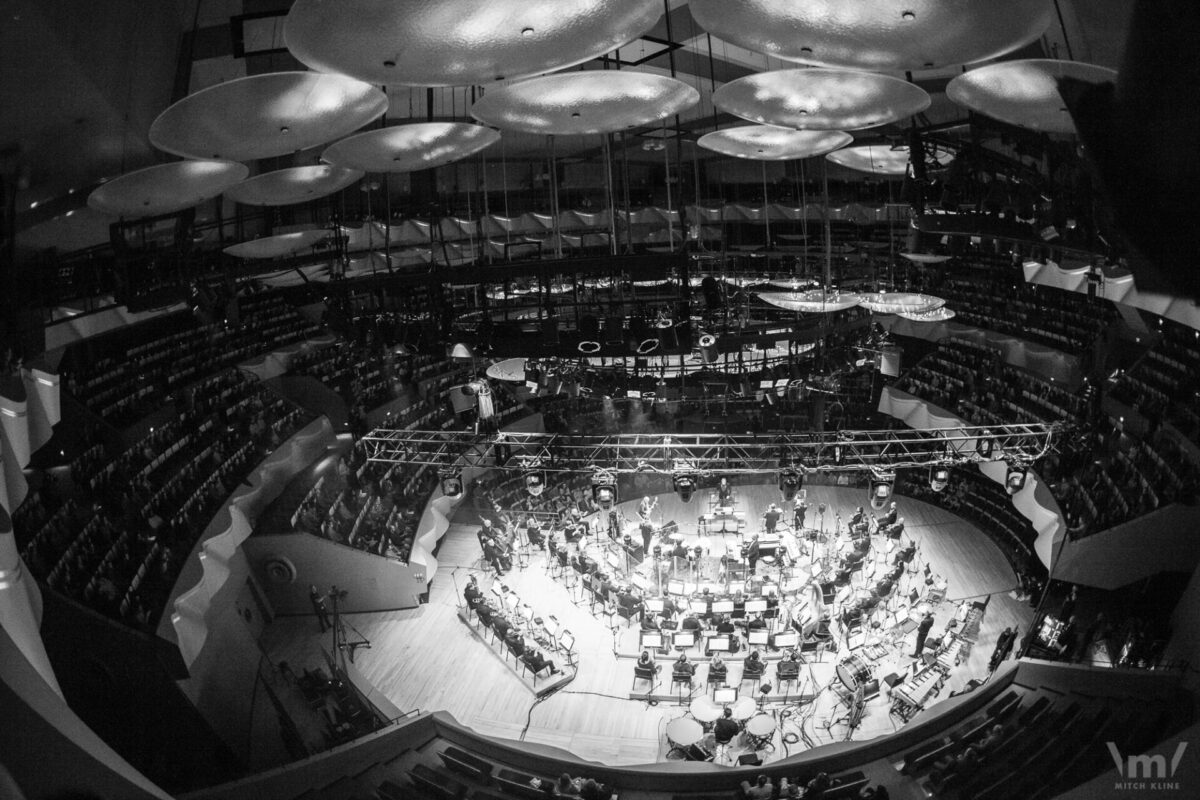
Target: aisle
point(427, 659)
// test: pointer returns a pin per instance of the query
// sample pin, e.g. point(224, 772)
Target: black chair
point(647, 673)
point(753, 670)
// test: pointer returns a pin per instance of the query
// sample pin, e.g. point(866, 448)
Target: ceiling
point(89, 78)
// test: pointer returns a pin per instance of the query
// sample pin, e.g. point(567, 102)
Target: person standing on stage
point(799, 510)
point(771, 518)
point(923, 633)
point(752, 553)
point(646, 507)
point(319, 609)
point(724, 494)
point(647, 534)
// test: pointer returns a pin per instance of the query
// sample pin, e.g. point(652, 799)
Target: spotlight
point(882, 482)
point(604, 488)
point(708, 348)
point(939, 478)
point(684, 482)
point(535, 482)
point(790, 481)
point(501, 452)
point(452, 484)
point(1015, 481)
point(985, 445)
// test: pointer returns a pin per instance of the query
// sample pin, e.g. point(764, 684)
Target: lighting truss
point(721, 454)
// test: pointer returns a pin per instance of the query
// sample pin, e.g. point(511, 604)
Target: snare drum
point(854, 672)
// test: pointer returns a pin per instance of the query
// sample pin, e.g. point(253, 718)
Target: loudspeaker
point(749, 760)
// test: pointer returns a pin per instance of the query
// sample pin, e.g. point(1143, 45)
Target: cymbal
point(584, 102)
point(879, 159)
point(261, 116)
point(942, 314)
point(769, 143)
point(293, 185)
point(1024, 93)
point(407, 148)
point(926, 258)
point(885, 35)
point(435, 43)
point(676, 537)
point(279, 245)
point(821, 99)
point(165, 188)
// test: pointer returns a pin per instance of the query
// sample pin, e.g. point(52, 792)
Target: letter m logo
point(1151, 767)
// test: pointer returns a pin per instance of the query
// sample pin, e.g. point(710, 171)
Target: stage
point(433, 658)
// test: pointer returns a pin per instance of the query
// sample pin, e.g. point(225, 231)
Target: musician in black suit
point(691, 623)
point(859, 519)
point(726, 728)
point(922, 634)
point(647, 529)
point(501, 626)
point(751, 553)
point(537, 662)
point(649, 623)
point(682, 668)
point(771, 519)
point(631, 603)
point(472, 594)
point(890, 517)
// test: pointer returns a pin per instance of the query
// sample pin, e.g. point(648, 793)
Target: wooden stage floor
point(427, 658)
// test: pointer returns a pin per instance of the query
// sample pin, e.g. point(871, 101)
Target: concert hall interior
point(640, 399)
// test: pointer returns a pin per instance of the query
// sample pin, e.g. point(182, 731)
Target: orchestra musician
point(717, 668)
point(770, 520)
point(858, 522)
point(647, 528)
point(614, 526)
point(890, 517)
point(750, 553)
point(799, 510)
point(683, 669)
point(726, 728)
point(724, 494)
point(472, 594)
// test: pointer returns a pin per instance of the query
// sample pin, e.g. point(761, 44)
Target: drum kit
point(853, 672)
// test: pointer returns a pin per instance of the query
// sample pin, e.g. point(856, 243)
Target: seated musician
point(486, 612)
point(724, 625)
point(537, 662)
point(533, 532)
point(607, 587)
point(691, 623)
point(646, 661)
point(890, 517)
point(726, 728)
point(753, 664)
point(679, 551)
point(894, 531)
point(649, 623)
point(682, 668)
point(859, 520)
point(670, 609)
point(501, 626)
point(789, 667)
point(756, 622)
point(739, 605)
point(472, 594)
point(717, 668)
point(630, 602)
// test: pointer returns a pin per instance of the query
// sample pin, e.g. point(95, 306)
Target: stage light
point(939, 478)
point(452, 484)
point(604, 488)
point(1015, 480)
point(882, 482)
point(685, 484)
point(502, 452)
point(708, 348)
point(790, 481)
point(985, 445)
point(535, 483)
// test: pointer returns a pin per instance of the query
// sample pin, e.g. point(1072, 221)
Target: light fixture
point(939, 478)
point(604, 488)
point(708, 348)
point(452, 484)
point(535, 478)
point(684, 483)
point(882, 482)
point(1015, 480)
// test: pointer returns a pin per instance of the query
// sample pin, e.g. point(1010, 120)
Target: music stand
point(725, 696)
point(756, 606)
point(785, 640)
point(722, 606)
point(683, 640)
point(651, 640)
point(758, 637)
point(719, 643)
point(655, 605)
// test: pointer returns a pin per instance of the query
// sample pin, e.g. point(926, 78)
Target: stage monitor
point(789, 639)
point(683, 640)
point(719, 642)
point(655, 605)
point(674, 587)
point(698, 606)
point(769, 590)
point(652, 640)
point(759, 636)
point(722, 606)
point(725, 696)
point(756, 606)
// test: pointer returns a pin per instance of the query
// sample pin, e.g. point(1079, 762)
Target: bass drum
point(854, 672)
